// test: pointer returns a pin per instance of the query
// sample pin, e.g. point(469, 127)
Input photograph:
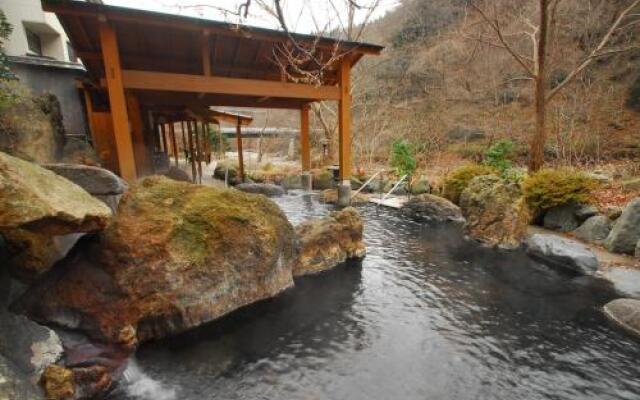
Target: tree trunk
point(540, 136)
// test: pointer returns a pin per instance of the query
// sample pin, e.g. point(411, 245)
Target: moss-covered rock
point(496, 212)
point(26, 130)
point(457, 181)
point(177, 255)
point(37, 199)
point(330, 241)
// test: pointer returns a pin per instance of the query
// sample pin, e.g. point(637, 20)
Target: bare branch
point(597, 52)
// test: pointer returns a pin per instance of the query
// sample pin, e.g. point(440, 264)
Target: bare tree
point(535, 66)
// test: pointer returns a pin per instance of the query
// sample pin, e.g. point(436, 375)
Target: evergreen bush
point(550, 188)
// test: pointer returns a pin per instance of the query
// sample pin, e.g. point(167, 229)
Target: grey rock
point(177, 174)
point(625, 234)
point(613, 212)
point(585, 211)
point(561, 252)
point(266, 189)
point(562, 218)
point(15, 384)
point(31, 347)
point(625, 313)
point(427, 207)
point(96, 181)
point(595, 229)
point(466, 134)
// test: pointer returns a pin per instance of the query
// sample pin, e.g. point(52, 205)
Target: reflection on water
point(426, 316)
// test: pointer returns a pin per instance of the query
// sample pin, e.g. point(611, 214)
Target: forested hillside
point(447, 84)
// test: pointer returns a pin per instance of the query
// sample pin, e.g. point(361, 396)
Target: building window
point(34, 42)
point(72, 53)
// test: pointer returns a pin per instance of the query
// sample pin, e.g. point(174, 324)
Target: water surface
point(425, 316)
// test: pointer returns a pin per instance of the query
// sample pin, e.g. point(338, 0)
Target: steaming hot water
point(426, 316)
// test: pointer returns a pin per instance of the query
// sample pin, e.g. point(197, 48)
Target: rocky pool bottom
point(425, 315)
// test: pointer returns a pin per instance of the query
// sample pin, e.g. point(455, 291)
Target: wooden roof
point(179, 46)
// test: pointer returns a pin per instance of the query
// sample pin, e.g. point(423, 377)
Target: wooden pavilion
point(146, 69)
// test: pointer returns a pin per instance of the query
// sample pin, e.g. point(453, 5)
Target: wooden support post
point(172, 132)
point(184, 142)
point(163, 139)
point(221, 150)
point(344, 117)
point(137, 131)
point(240, 156)
point(198, 150)
point(207, 143)
point(305, 147)
point(191, 153)
point(121, 131)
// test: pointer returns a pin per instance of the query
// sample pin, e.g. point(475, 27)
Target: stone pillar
point(307, 181)
point(344, 193)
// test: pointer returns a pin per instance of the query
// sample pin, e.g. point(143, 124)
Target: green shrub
point(403, 158)
point(555, 187)
point(458, 180)
point(499, 154)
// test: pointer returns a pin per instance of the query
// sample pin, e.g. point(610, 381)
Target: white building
point(41, 56)
point(35, 32)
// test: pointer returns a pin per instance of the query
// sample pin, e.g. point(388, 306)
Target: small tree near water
point(403, 159)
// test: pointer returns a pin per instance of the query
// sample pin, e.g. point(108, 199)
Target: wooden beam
point(305, 148)
point(144, 80)
point(344, 120)
point(206, 54)
point(137, 131)
point(122, 135)
point(240, 156)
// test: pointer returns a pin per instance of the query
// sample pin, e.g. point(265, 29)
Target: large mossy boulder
point(328, 242)
point(625, 313)
point(39, 200)
point(176, 256)
point(626, 232)
point(496, 212)
point(430, 208)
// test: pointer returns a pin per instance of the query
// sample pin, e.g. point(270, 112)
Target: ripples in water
point(427, 315)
